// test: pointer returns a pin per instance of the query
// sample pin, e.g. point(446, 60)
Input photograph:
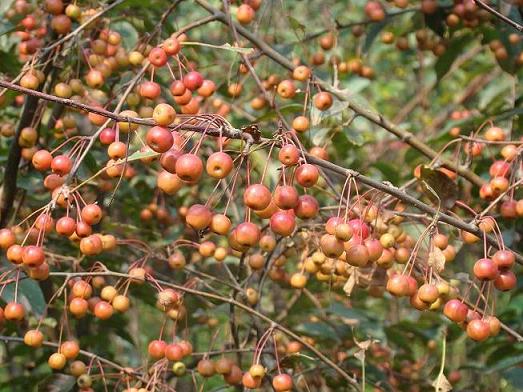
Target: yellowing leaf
point(441, 384)
point(225, 46)
point(439, 183)
point(436, 259)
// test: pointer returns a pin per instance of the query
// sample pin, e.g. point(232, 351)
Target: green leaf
point(6, 27)
point(505, 363)
point(436, 21)
point(29, 294)
point(296, 25)
point(287, 109)
point(372, 33)
point(57, 383)
point(135, 156)
point(225, 46)
point(457, 47)
point(445, 188)
point(128, 33)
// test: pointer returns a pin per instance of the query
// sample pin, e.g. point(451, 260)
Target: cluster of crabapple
point(503, 172)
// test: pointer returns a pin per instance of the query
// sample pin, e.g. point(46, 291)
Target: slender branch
point(500, 16)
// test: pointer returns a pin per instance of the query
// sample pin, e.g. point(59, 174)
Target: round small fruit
point(198, 216)
point(455, 310)
point(398, 285)
point(179, 369)
point(505, 281)
point(478, 330)
point(307, 175)
point(257, 196)
point(189, 167)
point(156, 349)
point(485, 269)
point(164, 114)
point(33, 338)
point(159, 139)
point(103, 310)
point(14, 311)
point(428, 293)
point(282, 382)
point(173, 352)
point(219, 165)
point(504, 258)
point(323, 100)
point(57, 361)
point(205, 367)
point(70, 349)
point(193, 80)
point(245, 14)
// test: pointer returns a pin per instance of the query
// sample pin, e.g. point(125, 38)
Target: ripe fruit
point(307, 208)
point(219, 165)
point(157, 57)
point(322, 100)
point(504, 259)
point(57, 361)
point(331, 246)
point(301, 73)
point(478, 330)
point(33, 256)
point(285, 197)
point(121, 303)
point(286, 89)
point(189, 167)
point(223, 366)
point(14, 311)
point(307, 175)
point(7, 238)
point(164, 114)
point(91, 245)
point(173, 352)
point(428, 293)
point(485, 269)
point(455, 310)
point(103, 310)
point(198, 217)
point(505, 281)
point(245, 14)
point(91, 214)
point(150, 90)
point(251, 382)
point(193, 80)
point(61, 165)
point(283, 223)
point(70, 349)
point(282, 382)
point(42, 160)
point(289, 155)
point(247, 234)
point(398, 285)
point(33, 338)
point(301, 124)
point(78, 307)
point(257, 197)
point(205, 367)
point(220, 224)
point(357, 255)
point(156, 349)
point(159, 139)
